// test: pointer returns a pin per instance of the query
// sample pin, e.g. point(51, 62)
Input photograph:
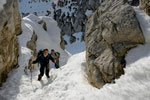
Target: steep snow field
point(69, 82)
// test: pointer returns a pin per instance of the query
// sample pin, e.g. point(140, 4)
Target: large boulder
point(111, 31)
point(10, 26)
point(145, 5)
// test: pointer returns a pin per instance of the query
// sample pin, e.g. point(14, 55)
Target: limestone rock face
point(32, 44)
point(10, 27)
point(145, 5)
point(111, 31)
point(62, 42)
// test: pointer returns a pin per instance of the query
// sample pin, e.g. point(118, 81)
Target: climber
point(44, 62)
point(56, 56)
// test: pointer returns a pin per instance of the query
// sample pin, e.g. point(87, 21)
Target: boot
point(47, 76)
point(39, 78)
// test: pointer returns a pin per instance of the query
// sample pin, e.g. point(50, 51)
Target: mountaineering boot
point(48, 76)
point(39, 78)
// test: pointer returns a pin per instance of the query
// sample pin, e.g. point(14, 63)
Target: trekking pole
point(30, 67)
point(31, 74)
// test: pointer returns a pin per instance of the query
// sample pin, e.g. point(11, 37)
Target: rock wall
point(145, 5)
point(111, 31)
point(10, 26)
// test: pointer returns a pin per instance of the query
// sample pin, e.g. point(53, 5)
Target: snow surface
point(76, 47)
point(69, 82)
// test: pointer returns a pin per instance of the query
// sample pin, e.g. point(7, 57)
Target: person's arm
point(37, 60)
point(52, 59)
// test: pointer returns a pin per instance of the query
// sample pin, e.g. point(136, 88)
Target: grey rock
point(32, 44)
point(62, 42)
point(111, 31)
point(43, 23)
point(10, 27)
point(72, 39)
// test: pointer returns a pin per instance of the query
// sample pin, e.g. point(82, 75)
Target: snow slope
point(75, 47)
point(69, 82)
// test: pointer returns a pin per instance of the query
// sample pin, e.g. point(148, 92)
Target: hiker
point(44, 58)
point(56, 56)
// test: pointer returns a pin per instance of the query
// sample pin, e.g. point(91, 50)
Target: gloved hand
point(30, 61)
point(55, 60)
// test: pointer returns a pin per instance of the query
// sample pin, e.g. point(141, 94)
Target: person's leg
point(47, 70)
point(41, 72)
point(57, 64)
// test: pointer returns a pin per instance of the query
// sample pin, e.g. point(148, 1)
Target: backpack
point(40, 53)
point(57, 54)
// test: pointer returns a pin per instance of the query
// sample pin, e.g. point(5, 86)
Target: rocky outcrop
point(145, 5)
point(62, 42)
point(9, 28)
point(111, 31)
point(75, 19)
point(43, 23)
point(32, 44)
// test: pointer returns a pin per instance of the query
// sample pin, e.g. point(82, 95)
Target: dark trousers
point(57, 64)
point(44, 68)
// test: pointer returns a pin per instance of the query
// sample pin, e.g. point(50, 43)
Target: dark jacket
point(43, 60)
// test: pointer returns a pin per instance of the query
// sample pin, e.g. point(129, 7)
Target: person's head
point(45, 51)
point(52, 51)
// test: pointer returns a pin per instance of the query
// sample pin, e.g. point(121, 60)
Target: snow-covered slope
point(69, 82)
point(76, 47)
